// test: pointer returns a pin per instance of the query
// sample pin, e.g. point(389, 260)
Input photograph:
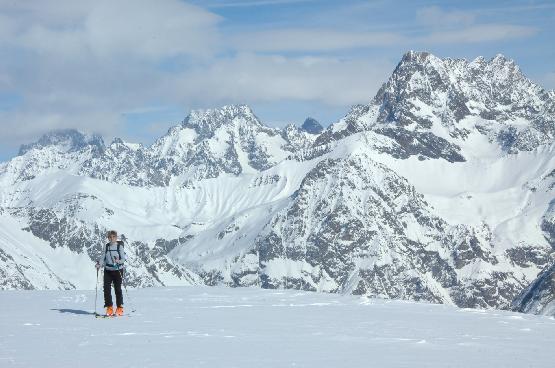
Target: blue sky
point(133, 68)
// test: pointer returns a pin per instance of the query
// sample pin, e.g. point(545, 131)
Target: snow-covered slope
point(439, 189)
point(222, 327)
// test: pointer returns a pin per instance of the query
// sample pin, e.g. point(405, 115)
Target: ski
point(113, 316)
point(102, 316)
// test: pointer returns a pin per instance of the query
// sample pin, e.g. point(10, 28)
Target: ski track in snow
point(222, 327)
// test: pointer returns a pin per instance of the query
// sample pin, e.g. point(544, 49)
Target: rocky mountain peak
point(426, 74)
point(119, 144)
point(206, 122)
point(68, 140)
point(501, 59)
point(312, 126)
point(418, 60)
point(416, 56)
point(443, 101)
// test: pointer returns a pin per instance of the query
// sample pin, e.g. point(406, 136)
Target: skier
point(114, 258)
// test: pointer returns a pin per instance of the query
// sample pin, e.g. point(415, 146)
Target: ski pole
point(96, 289)
point(125, 287)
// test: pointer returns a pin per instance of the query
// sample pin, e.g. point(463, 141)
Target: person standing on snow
point(114, 258)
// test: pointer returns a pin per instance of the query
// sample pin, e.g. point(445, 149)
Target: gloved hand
point(97, 265)
point(117, 260)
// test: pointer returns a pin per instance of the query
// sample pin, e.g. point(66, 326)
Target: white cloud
point(25, 127)
point(250, 78)
point(87, 66)
point(458, 27)
point(151, 29)
point(80, 64)
point(435, 16)
point(252, 3)
point(480, 33)
point(107, 29)
point(308, 40)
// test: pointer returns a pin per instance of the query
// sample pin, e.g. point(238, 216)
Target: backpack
point(120, 244)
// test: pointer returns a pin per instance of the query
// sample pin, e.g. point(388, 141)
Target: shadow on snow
point(73, 311)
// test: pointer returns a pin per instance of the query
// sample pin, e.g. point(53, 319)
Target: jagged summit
point(208, 120)
point(424, 89)
point(418, 57)
point(416, 69)
point(312, 126)
point(208, 143)
point(68, 139)
point(432, 106)
point(502, 59)
point(423, 57)
point(228, 139)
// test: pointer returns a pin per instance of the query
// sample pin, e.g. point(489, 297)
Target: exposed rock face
point(12, 275)
point(355, 226)
point(64, 230)
point(441, 96)
point(312, 126)
point(539, 297)
point(68, 139)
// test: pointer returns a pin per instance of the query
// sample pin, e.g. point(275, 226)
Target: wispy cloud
point(86, 65)
point(107, 29)
point(436, 16)
point(480, 33)
point(532, 6)
point(308, 40)
point(464, 26)
point(254, 3)
point(249, 77)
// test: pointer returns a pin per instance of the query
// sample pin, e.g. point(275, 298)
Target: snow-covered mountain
point(431, 106)
point(438, 189)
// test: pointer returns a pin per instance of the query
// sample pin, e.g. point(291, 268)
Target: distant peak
point(227, 110)
point(501, 58)
point(415, 55)
point(211, 119)
point(413, 60)
point(419, 61)
point(118, 143)
point(312, 126)
point(478, 60)
point(419, 57)
point(68, 139)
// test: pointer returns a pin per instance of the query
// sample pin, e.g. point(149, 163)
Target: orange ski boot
point(109, 311)
point(119, 311)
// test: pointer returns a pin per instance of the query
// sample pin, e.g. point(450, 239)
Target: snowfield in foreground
point(224, 327)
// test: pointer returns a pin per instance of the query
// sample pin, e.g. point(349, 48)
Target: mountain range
point(440, 189)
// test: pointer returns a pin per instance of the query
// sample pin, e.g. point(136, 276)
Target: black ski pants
point(114, 277)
